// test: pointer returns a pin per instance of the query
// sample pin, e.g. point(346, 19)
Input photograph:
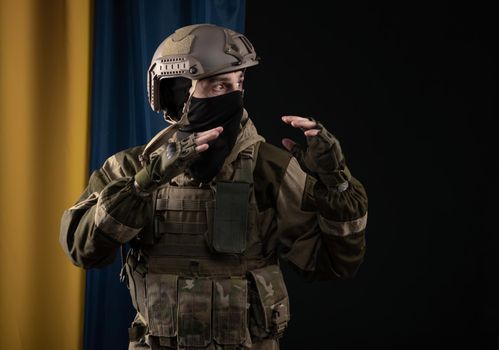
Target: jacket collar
point(248, 136)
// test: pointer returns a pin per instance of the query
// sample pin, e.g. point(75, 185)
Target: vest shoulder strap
point(245, 164)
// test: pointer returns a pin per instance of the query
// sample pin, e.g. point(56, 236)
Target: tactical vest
point(200, 275)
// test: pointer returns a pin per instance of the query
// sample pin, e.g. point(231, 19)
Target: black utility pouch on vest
point(230, 224)
point(232, 198)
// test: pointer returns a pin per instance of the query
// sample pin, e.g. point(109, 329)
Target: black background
point(410, 89)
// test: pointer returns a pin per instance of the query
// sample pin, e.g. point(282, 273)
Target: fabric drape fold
point(44, 114)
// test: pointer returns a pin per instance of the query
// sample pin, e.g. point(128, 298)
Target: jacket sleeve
point(321, 231)
point(110, 212)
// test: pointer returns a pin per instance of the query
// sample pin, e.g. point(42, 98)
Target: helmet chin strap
point(164, 135)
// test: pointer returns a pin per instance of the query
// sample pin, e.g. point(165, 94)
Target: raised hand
point(173, 159)
point(322, 158)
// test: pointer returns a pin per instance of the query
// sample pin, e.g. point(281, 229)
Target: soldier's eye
point(219, 87)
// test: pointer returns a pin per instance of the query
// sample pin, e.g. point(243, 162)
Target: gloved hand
point(173, 159)
point(322, 158)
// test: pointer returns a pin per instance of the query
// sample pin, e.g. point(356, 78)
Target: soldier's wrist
point(139, 191)
point(336, 180)
point(143, 183)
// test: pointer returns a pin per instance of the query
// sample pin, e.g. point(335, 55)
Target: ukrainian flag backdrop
point(72, 92)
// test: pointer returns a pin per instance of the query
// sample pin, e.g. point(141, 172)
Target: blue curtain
point(126, 34)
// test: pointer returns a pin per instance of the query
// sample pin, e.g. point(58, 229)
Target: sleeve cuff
point(112, 227)
point(342, 228)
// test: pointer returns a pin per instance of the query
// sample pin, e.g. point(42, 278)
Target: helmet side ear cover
point(174, 92)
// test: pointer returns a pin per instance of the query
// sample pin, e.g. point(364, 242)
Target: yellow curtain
point(44, 113)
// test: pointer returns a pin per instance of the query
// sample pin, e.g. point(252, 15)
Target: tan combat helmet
point(191, 53)
point(196, 52)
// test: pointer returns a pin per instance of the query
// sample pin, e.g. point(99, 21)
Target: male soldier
point(208, 206)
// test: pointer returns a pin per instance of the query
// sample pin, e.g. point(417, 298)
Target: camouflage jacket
point(319, 233)
point(186, 295)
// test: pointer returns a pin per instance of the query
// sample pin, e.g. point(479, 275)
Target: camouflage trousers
point(151, 343)
point(268, 344)
point(147, 342)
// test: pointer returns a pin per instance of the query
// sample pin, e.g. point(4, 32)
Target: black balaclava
point(208, 113)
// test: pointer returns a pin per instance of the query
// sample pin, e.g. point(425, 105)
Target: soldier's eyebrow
point(223, 79)
point(219, 80)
